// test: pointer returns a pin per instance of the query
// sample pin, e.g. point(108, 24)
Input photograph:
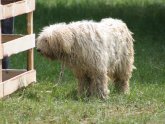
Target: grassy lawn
point(50, 102)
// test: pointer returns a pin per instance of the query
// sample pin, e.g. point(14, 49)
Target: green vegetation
point(49, 102)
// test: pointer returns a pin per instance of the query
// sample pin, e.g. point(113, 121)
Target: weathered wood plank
point(16, 8)
point(18, 45)
point(22, 80)
point(10, 73)
point(9, 37)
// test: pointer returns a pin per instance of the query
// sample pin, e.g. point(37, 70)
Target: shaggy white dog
point(95, 51)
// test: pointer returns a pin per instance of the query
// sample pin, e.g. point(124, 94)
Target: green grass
point(49, 102)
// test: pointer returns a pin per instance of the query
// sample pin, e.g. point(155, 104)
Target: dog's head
point(55, 40)
point(43, 43)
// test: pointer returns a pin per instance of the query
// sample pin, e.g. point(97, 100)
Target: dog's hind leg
point(122, 76)
point(83, 83)
point(122, 86)
point(99, 85)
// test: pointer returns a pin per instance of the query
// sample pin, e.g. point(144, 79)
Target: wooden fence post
point(0, 54)
point(30, 60)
